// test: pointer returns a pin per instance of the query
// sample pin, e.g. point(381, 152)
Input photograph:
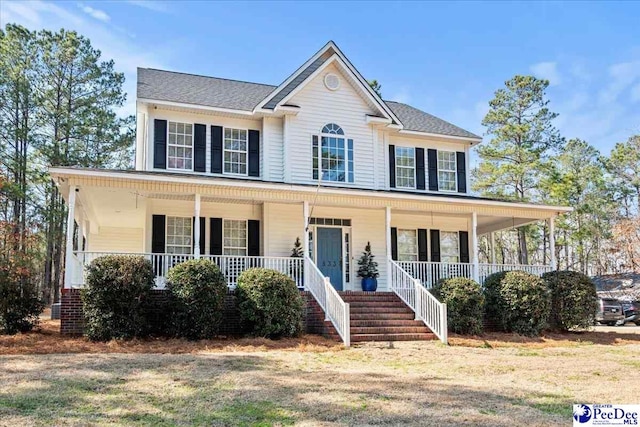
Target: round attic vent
point(331, 81)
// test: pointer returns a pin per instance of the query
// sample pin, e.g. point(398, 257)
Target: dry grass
point(511, 381)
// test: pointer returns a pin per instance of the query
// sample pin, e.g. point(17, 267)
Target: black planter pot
point(369, 284)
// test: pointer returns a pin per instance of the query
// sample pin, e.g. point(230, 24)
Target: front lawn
point(314, 382)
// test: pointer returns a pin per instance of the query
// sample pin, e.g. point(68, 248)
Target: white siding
point(320, 106)
point(112, 239)
point(274, 149)
point(283, 223)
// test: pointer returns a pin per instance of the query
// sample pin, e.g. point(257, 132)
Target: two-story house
point(237, 171)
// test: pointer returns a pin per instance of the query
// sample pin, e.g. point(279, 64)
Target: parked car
point(610, 312)
point(631, 310)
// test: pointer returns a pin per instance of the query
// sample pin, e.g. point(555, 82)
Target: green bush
point(492, 299)
point(573, 300)
point(521, 303)
point(270, 304)
point(20, 306)
point(465, 304)
point(197, 291)
point(116, 297)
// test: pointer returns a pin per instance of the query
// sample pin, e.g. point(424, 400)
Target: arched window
point(333, 155)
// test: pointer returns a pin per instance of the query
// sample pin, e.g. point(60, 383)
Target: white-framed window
point(407, 245)
point(447, 177)
point(235, 151)
point(178, 238)
point(333, 158)
point(405, 167)
point(180, 146)
point(449, 246)
point(234, 237)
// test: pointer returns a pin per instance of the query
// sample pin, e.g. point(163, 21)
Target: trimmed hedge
point(465, 304)
point(197, 291)
point(270, 303)
point(573, 300)
point(521, 302)
point(492, 299)
point(116, 297)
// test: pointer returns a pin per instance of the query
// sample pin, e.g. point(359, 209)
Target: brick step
point(392, 337)
point(385, 322)
point(389, 330)
point(383, 316)
point(344, 294)
point(370, 297)
point(373, 309)
point(358, 304)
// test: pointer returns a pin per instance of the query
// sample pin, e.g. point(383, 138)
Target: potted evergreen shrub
point(368, 270)
point(297, 270)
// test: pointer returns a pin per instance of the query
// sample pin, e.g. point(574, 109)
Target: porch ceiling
point(117, 197)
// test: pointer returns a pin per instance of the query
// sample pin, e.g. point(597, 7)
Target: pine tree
point(367, 266)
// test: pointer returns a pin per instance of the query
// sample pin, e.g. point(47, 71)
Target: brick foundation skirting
point(72, 318)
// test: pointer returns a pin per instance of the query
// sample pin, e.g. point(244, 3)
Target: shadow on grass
point(249, 390)
point(548, 339)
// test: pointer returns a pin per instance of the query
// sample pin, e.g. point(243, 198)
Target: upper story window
point(235, 151)
point(180, 146)
point(405, 167)
point(178, 235)
point(447, 171)
point(407, 245)
point(449, 246)
point(333, 156)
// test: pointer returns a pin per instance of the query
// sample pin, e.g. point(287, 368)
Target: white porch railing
point(230, 266)
point(334, 307)
point(426, 307)
point(488, 269)
point(430, 272)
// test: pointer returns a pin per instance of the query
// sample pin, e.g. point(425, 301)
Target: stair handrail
point(426, 307)
point(334, 307)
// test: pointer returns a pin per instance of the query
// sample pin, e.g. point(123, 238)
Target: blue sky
point(445, 58)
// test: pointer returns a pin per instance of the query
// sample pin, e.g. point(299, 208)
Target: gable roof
point(420, 121)
point(230, 94)
point(200, 90)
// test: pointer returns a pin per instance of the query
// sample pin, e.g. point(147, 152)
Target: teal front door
point(329, 259)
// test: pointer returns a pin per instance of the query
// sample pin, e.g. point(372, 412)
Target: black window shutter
point(394, 243)
point(160, 144)
point(462, 172)
point(202, 231)
point(316, 161)
point(216, 149)
point(158, 226)
point(435, 245)
point(254, 153)
point(253, 237)
point(420, 172)
point(199, 148)
point(215, 236)
point(432, 165)
point(464, 246)
point(422, 245)
point(392, 166)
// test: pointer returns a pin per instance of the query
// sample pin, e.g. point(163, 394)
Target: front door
point(329, 258)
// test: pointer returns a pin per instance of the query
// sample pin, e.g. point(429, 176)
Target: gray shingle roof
point(200, 90)
point(418, 120)
point(238, 95)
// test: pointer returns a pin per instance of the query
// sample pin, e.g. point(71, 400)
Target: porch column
point(305, 235)
point(492, 236)
point(68, 259)
point(387, 219)
point(196, 228)
point(552, 241)
point(474, 246)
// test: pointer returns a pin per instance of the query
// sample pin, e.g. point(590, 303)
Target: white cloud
point(548, 71)
point(635, 93)
point(621, 76)
point(98, 14)
point(156, 6)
